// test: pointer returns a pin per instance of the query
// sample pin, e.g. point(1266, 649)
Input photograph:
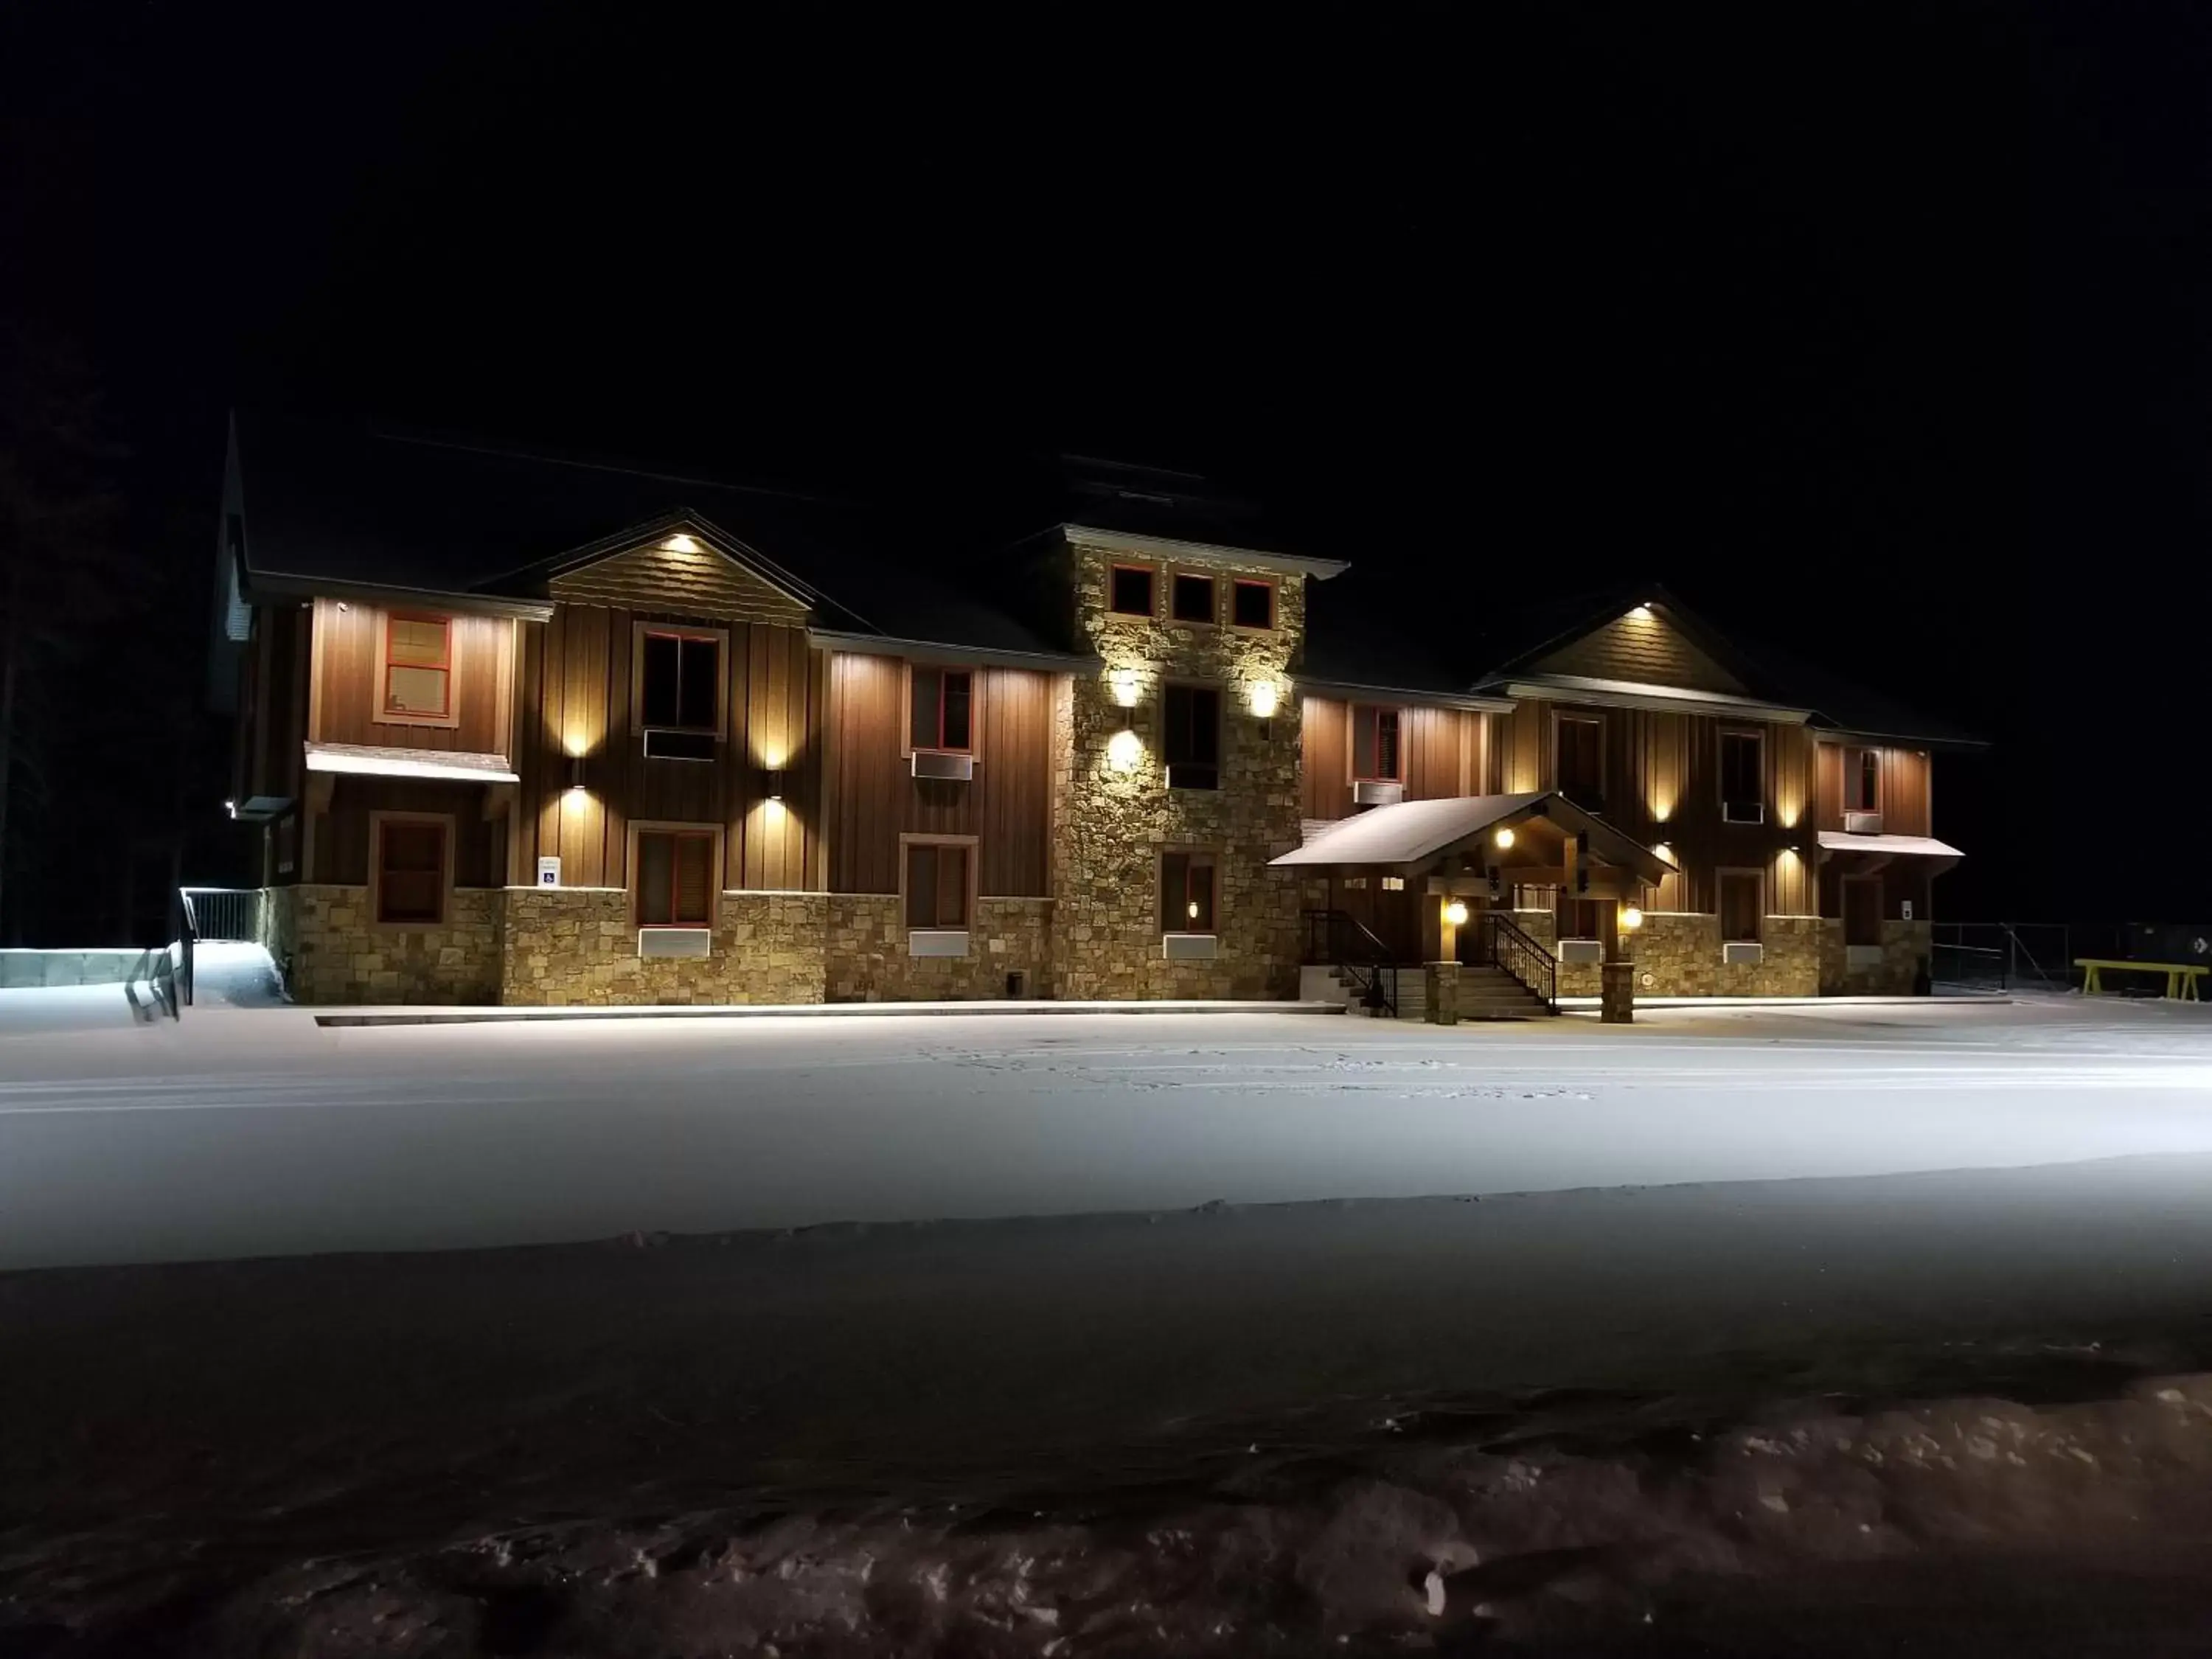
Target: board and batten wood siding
point(1444, 753)
point(696, 582)
point(340, 852)
point(1906, 788)
point(872, 797)
point(348, 682)
point(575, 689)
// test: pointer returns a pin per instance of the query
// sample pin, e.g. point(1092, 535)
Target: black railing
point(1505, 946)
point(225, 913)
point(1347, 943)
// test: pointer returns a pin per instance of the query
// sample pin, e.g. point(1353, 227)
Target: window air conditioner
point(1862, 823)
point(1374, 791)
point(1581, 950)
point(937, 941)
point(663, 744)
point(1743, 812)
point(955, 768)
point(1748, 953)
point(1189, 947)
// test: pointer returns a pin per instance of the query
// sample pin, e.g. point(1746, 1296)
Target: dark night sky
point(1877, 334)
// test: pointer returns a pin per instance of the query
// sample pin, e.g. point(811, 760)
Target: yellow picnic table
point(2181, 977)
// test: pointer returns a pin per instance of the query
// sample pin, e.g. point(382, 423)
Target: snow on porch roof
point(1413, 830)
point(1924, 846)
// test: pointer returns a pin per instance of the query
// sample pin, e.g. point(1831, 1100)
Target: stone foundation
point(868, 961)
point(331, 951)
point(1907, 947)
point(577, 946)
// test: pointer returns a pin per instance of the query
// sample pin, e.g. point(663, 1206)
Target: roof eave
point(1473, 701)
point(944, 651)
point(1630, 695)
point(265, 586)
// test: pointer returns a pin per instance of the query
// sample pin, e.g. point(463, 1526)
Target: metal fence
point(224, 913)
point(2032, 956)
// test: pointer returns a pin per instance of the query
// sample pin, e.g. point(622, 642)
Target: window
point(418, 668)
point(1192, 741)
point(1743, 781)
point(410, 871)
point(1129, 590)
point(1394, 884)
point(1742, 904)
point(1862, 897)
point(942, 714)
point(675, 879)
point(1190, 599)
point(288, 844)
point(1862, 780)
point(936, 885)
point(1187, 892)
point(1374, 745)
point(1581, 770)
point(680, 681)
point(1578, 918)
point(1252, 604)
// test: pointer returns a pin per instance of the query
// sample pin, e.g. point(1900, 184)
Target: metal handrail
point(1346, 942)
point(1506, 945)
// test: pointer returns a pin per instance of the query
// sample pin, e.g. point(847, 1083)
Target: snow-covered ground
point(242, 1131)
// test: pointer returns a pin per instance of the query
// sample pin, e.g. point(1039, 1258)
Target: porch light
point(1263, 697)
point(680, 543)
point(1123, 750)
point(1192, 907)
point(1631, 918)
point(1455, 913)
point(576, 773)
point(1640, 612)
point(775, 776)
point(1504, 839)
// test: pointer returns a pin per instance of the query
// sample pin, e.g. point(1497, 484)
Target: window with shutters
point(1190, 740)
point(673, 884)
point(1374, 753)
point(937, 884)
point(941, 712)
point(413, 869)
point(1742, 902)
point(418, 671)
point(1188, 889)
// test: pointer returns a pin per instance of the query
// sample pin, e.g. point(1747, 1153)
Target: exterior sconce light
point(1640, 613)
point(1455, 913)
point(680, 543)
point(1123, 749)
point(1504, 840)
point(1124, 682)
point(775, 776)
point(1630, 917)
point(1263, 696)
point(231, 807)
point(1192, 907)
point(575, 773)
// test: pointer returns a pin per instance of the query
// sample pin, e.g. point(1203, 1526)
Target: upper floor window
point(942, 713)
point(1129, 590)
point(1252, 603)
point(1375, 754)
point(418, 668)
point(1580, 769)
point(675, 885)
point(1188, 890)
point(1191, 599)
point(1743, 774)
point(1862, 780)
point(1191, 742)
point(680, 680)
point(937, 884)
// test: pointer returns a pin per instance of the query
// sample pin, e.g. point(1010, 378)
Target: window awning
point(375, 761)
point(1416, 832)
point(1837, 841)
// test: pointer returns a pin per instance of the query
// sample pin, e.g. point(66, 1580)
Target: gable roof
point(1413, 832)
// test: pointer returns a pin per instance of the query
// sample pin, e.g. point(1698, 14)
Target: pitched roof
point(1414, 831)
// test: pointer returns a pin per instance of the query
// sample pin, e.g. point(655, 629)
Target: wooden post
point(1447, 934)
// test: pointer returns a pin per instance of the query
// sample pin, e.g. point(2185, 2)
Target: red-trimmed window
point(1190, 599)
point(1582, 760)
point(410, 871)
point(1743, 768)
point(679, 688)
point(943, 714)
point(1252, 604)
point(1130, 590)
point(1187, 892)
point(1862, 780)
point(675, 879)
point(1375, 756)
point(936, 885)
point(1191, 736)
point(418, 666)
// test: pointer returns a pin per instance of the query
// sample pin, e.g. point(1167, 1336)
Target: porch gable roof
point(1415, 832)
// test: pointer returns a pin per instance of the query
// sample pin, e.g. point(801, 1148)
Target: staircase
point(1488, 992)
point(1321, 984)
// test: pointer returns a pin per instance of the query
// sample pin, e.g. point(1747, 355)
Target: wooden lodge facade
point(520, 730)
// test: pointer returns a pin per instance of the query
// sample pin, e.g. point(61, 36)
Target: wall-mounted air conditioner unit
point(1862, 955)
point(1862, 823)
point(678, 745)
point(1375, 792)
point(1743, 952)
point(1189, 947)
point(1581, 950)
point(937, 941)
point(674, 942)
point(1743, 812)
point(955, 768)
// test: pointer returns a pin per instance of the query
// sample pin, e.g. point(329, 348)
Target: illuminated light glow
point(1504, 839)
point(1455, 913)
point(1192, 907)
point(1124, 749)
point(1263, 697)
point(1660, 814)
point(1631, 918)
point(1124, 682)
point(680, 543)
point(231, 807)
point(1641, 613)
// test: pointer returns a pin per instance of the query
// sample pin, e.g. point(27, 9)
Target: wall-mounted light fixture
point(773, 780)
point(1504, 839)
point(575, 773)
point(1264, 697)
point(1640, 612)
point(1630, 917)
point(680, 543)
point(1455, 913)
point(1124, 682)
point(1124, 749)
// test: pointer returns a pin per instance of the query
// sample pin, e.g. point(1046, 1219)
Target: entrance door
point(1863, 910)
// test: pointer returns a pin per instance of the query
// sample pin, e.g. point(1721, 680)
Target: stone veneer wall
point(564, 946)
point(1907, 947)
point(332, 950)
point(868, 961)
point(1110, 827)
point(1681, 952)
